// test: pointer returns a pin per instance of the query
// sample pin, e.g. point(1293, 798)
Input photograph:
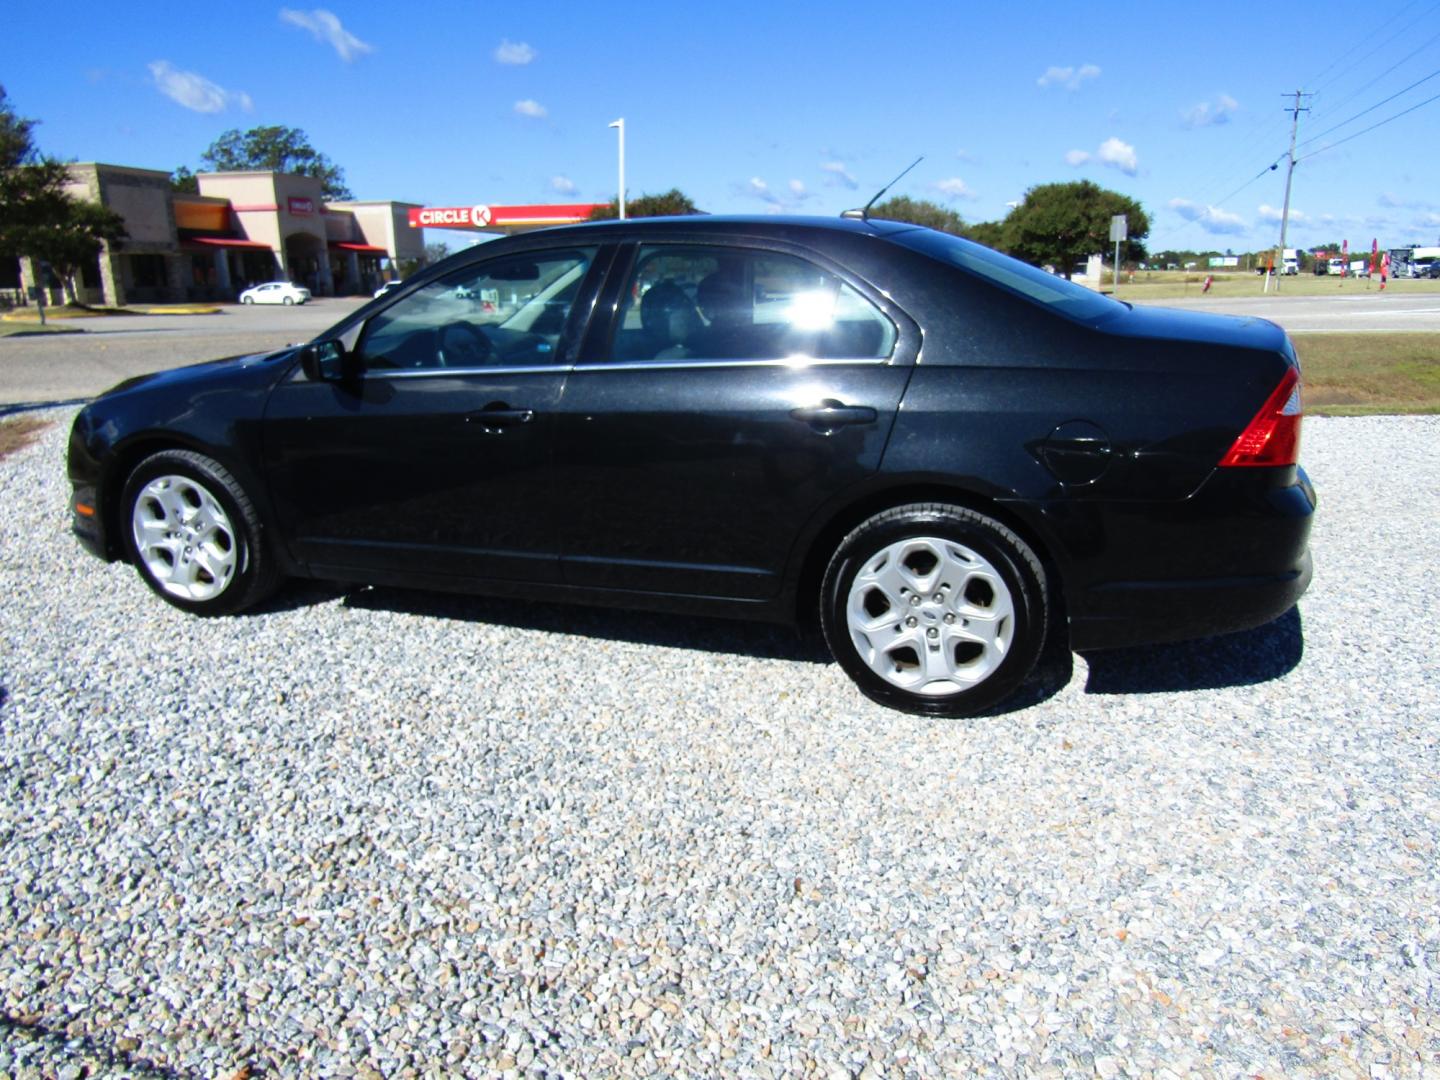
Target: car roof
point(738, 225)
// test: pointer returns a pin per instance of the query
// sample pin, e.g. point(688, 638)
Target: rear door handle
point(831, 414)
point(493, 418)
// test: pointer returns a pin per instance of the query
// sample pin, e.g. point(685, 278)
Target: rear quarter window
point(1018, 278)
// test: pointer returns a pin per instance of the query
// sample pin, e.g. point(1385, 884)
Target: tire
point(935, 609)
point(247, 300)
point(289, 301)
point(194, 535)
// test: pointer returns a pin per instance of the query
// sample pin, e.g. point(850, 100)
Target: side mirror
point(324, 361)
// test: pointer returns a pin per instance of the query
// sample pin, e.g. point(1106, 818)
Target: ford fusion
point(936, 453)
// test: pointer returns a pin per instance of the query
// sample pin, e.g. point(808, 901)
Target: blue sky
point(760, 107)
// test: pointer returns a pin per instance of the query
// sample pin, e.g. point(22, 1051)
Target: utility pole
point(1295, 110)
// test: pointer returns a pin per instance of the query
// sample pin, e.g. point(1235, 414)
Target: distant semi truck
point(1288, 263)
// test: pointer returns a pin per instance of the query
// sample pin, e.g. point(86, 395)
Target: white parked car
point(275, 292)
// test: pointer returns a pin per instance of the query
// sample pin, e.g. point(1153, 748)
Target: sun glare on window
point(813, 310)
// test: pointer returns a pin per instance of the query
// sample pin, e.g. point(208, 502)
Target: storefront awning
point(363, 249)
point(227, 242)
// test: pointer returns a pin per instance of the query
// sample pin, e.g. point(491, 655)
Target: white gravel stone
point(380, 833)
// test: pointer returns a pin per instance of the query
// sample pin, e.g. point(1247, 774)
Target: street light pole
point(620, 198)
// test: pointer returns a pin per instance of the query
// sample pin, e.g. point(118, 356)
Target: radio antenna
point(865, 213)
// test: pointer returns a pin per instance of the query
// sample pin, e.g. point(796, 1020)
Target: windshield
point(1014, 276)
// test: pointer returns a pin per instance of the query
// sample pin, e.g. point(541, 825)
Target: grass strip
point(1369, 374)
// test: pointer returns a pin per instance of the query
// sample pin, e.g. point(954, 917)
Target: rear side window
point(1012, 275)
point(722, 303)
point(504, 312)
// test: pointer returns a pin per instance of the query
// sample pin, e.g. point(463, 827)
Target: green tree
point(920, 212)
point(666, 204)
point(38, 217)
point(276, 149)
point(31, 185)
point(183, 181)
point(72, 240)
point(1063, 224)
point(435, 252)
point(989, 233)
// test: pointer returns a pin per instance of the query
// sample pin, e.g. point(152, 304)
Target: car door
point(736, 389)
point(432, 457)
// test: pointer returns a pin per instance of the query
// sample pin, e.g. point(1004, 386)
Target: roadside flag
point(1344, 257)
point(1384, 270)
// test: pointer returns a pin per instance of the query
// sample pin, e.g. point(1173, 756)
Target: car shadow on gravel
point(758, 640)
point(15, 408)
point(761, 641)
point(1243, 659)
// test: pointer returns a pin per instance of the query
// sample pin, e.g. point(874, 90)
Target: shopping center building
point(241, 229)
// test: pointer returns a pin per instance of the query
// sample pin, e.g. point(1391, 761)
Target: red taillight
point(1273, 437)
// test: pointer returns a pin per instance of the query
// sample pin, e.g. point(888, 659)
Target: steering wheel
point(463, 345)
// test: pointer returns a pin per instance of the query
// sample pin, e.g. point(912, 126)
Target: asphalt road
point(70, 367)
point(1377, 313)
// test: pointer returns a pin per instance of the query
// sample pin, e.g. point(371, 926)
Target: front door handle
point(831, 414)
point(498, 416)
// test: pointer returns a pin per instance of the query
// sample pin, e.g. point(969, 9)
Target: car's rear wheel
point(934, 609)
point(195, 536)
point(288, 301)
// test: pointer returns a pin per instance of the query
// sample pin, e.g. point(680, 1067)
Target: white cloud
point(1077, 157)
point(514, 52)
point(1070, 78)
point(194, 91)
point(1206, 113)
point(1430, 219)
point(326, 28)
point(954, 188)
point(1274, 213)
point(1118, 155)
point(759, 189)
point(1211, 218)
point(841, 174)
point(564, 185)
point(532, 109)
point(797, 188)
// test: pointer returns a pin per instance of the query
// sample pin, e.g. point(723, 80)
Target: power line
point(1344, 57)
point(1372, 127)
point(1372, 108)
point(1361, 89)
point(1360, 59)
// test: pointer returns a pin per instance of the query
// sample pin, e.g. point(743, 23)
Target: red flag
point(1374, 257)
point(1344, 257)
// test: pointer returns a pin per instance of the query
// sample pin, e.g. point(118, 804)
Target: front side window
point(720, 303)
point(507, 312)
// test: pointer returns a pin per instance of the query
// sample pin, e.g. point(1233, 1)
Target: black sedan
point(935, 452)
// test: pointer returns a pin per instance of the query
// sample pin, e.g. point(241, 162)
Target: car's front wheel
point(935, 609)
point(247, 299)
point(194, 534)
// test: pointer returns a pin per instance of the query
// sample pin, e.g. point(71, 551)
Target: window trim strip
point(625, 365)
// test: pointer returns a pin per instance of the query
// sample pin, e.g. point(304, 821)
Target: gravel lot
point(391, 834)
